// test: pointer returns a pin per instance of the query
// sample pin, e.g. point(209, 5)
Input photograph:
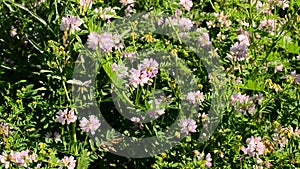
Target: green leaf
point(35, 45)
point(107, 68)
point(83, 160)
point(46, 125)
point(290, 46)
point(256, 85)
point(92, 145)
point(27, 10)
point(9, 7)
point(41, 88)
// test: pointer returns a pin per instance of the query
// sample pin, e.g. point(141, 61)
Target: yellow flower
point(200, 86)
point(164, 155)
point(174, 52)
point(276, 124)
point(276, 87)
point(133, 35)
point(148, 38)
point(185, 53)
point(269, 83)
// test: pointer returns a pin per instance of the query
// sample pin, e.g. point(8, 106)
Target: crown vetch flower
point(4, 159)
point(137, 123)
point(267, 25)
point(187, 4)
point(105, 41)
point(13, 32)
point(187, 126)
point(255, 146)
point(68, 162)
point(278, 68)
point(90, 125)
point(127, 2)
point(71, 23)
point(204, 39)
point(66, 116)
point(121, 70)
point(20, 159)
point(150, 66)
point(137, 77)
point(86, 3)
point(5, 129)
point(56, 136)
point(145, 73)
point(238, 51)
point(208, 160)
point(195, 97)
point(181, 23)
point(156, 108)
point(105, 13)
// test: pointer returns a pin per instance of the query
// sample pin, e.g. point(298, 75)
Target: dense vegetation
point(210, 83)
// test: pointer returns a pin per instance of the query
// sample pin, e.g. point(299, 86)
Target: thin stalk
point(66, 91)
point(74, 137)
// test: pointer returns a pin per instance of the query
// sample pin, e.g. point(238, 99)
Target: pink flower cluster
point(204, 39)
point(195, 97)
point(137, 123)
point(71, 23)
point(187, 126)
point(13, 32)
point(243, 103)
point(264, 7)
point(278, 68)
point(267, 25)
point(90, 125)
point(255, 147)
point(282, 3)
point(280, 139)
point(66, 116)
point(145, 73)
point(187, 4)
point(86, 3)
point(295, 76)
point(208, 160)
point(127, 2)
point(281, 135)
point(157, 108)
point(129, 56)
point(199, 156)
point(68, 162)
point(53, 136)
point(105, 13)
point(4, 128)
point(267, 7)
point(238, 51)
point(221, 21)
point(104, 41)
point(243, 36)
point(184, 24)
point(20, 159)
point(121, 70)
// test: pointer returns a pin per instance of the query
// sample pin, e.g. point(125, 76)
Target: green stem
point(212, 5)
point(63, 138)
point(176, 31)
point(148, 128)
point(127, 99)
point(85, 140)
point(137, 96)
point(74, 137)
point(66, 91)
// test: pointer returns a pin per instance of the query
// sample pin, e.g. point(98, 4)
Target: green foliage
point(37, 61)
